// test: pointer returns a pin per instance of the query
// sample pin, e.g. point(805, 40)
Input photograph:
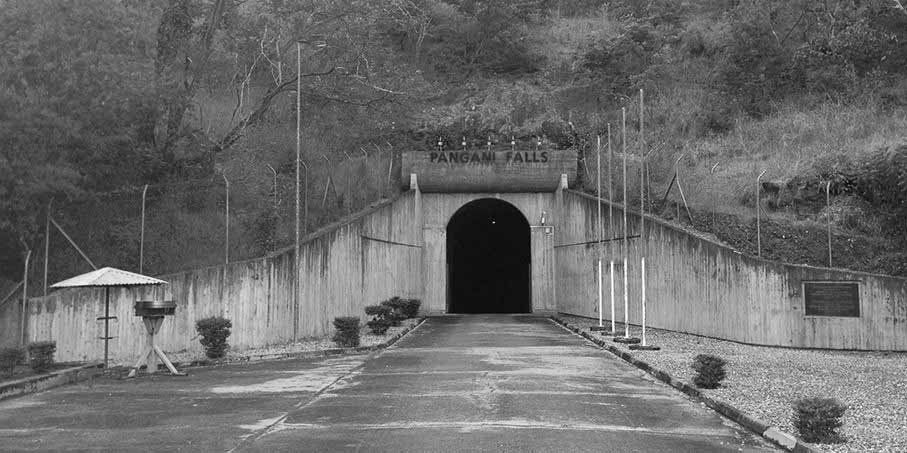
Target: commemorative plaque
point(823, 298)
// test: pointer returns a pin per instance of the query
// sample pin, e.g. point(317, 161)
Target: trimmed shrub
point(214, 332)
point(41, 355)
point(397, 305)
point(709, 371)
point(381, 318)
point(9, 358)
point(411, 308)
point(818, 418)
point(347, 335)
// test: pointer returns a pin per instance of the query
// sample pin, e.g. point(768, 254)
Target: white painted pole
point(623, 139)
point(828, 217)
point(598, 158)
point(642, 270)
point(611, 228)
point(642, 215)
point(612, 297)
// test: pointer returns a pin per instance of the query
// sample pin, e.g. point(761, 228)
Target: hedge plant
point(382, 318)
point(817, 419)
point(709, 371)
point(397, 305)
point(41, 355)
point(214, 332)
point(347, 334)
point(9, 358)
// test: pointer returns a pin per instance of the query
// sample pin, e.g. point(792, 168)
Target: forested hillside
point(189, 97)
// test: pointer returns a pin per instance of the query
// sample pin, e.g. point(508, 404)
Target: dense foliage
point(709, 371)
point(41, 355)
point(817, 419)
point(100, 97)
point(214, 332)
point(9, 358)
point(382, 318)
point(347, 331)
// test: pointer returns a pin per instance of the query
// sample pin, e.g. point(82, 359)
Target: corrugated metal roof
point(108, 276)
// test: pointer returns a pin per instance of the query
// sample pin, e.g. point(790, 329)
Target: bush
point(411, 308)
point(347, 334)
point(709, 371)
point(396, 305)
point(41, 355)
point(818, 418)
point(214, 332)
point(382, 316)
point(9, 358)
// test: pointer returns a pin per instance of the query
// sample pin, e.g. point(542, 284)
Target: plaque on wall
point(479, 171)
point(824, 298)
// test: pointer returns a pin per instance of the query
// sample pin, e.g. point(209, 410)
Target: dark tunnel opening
point(488, 259)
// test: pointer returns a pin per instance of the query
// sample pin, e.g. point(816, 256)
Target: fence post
point(758, 218)
point(47, 243)
point(142, 233)
point(24, 296)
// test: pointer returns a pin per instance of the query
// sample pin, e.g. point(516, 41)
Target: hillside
point(186, 96)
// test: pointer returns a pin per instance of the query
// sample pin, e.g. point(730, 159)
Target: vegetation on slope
point(104, 96)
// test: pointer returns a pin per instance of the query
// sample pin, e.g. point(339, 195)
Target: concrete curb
point(297, 355)
point(784, 440)
point(43, 382)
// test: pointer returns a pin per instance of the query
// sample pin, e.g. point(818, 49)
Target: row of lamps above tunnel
point(464, 144)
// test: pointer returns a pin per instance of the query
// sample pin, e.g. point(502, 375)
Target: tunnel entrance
point(488, 259)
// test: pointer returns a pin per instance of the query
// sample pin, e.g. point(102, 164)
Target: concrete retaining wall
point(699, 287)
point(256, 295)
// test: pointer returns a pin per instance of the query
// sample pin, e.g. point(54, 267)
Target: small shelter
point(106, 278)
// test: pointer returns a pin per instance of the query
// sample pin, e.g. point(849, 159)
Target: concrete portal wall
point(437, 211)
point(700, 287)
point(256, 295)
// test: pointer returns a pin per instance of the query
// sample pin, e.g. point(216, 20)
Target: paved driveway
point(458, 383)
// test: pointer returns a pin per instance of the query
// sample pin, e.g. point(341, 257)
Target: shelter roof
point(108, 276)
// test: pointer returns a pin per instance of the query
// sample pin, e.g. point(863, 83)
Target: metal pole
point(623, 140)
point(828, 217)
point(107, 325)
point(273, 185)
point(298, 159)
point(642, 275)
point(642, 215)
point(73, 243)
point(349, 183)
point(226, 221)
point(142, 234)
point(758, 218)
point(598, 158)
point(305, 198)
point(24, 297)
point(47, 243)
point(712, 188)
point(611, 228)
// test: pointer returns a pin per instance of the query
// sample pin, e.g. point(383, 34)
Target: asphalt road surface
point(457, 383)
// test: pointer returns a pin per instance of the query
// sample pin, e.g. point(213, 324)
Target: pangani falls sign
point(489, 171)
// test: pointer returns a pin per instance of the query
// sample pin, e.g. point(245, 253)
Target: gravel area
point(303, 345)
point(765, 381)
